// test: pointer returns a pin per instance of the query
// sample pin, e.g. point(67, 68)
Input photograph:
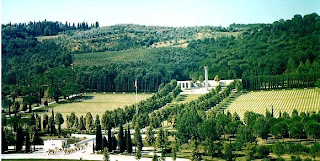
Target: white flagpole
point(136, 85)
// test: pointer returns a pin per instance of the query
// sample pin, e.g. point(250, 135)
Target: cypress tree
point(114, 143)
point(98, 138)
point(27, 142)
point(4, 145)
point(19, 139)
point(109, 138)
point(129, 142)
point(104, 142)
point(122, 145)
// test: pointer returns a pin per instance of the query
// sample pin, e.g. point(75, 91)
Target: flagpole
point(136, 84)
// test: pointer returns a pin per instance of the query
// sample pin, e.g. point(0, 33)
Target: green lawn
point(97, 103)
point(304, 100)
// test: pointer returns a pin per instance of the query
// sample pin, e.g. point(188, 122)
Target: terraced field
point(306, 100)
point(98, 103)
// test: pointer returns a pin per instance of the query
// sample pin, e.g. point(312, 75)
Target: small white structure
point(53, 143)
point(189, 87)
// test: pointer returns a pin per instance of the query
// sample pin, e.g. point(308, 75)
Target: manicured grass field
point(307, 100)
point(98, 103)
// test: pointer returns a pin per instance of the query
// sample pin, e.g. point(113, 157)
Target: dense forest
point(284, 54)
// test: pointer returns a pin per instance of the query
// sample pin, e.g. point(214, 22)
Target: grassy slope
point(100, 58)
point(98, 103)
point(306, 100)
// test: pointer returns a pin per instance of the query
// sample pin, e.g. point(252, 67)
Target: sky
point(175, 13)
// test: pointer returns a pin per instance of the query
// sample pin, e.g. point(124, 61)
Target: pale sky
point(156, 12)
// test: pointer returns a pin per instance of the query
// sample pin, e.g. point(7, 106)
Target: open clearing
point(98, 103)
point(304, 100)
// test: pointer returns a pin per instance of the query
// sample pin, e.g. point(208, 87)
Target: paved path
point(84, 154)
point(79, 156)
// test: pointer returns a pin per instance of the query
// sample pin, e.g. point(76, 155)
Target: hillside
point(109, 58)
point(303, 100)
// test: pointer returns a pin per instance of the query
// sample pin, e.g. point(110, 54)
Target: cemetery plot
point(304, 100)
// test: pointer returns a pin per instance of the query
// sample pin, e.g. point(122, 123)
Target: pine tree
point(98, 138)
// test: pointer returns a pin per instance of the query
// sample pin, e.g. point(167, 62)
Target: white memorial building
point(189, 87)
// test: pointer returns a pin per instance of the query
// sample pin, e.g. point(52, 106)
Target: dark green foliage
point(295, 158)
point(162, 141)
point(279, 129)
point(121, 140)
point(98, 138)
point(59, 121)
point(312, 130)
point(104, 142)
point(19, 139)
point(222, 122)
point(27, 142)
point(109, 138)
point(195, 155)
point(4, 144)
point(263, 151)
point(228, 152)
point(278, 148)
point(129, 142)
point(81, 123)
point(296, 129)
point(150, 136)
point(191, 119)
point(260, 127)
point(208, 130)
point(114, 143)
point(244, 135)
point(296, 148)
point(315, 150)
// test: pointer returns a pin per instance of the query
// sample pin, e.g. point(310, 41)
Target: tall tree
point(122, 143)
point(89, 121)
point(98, 138)
point(19, 138)
point(59, 121)
point(4, 144)
point(129, 142)
point(162, 141)
point(45, 122)
point(27, 142)
point(109, 138)
point(150, 135)
point(81, 124)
